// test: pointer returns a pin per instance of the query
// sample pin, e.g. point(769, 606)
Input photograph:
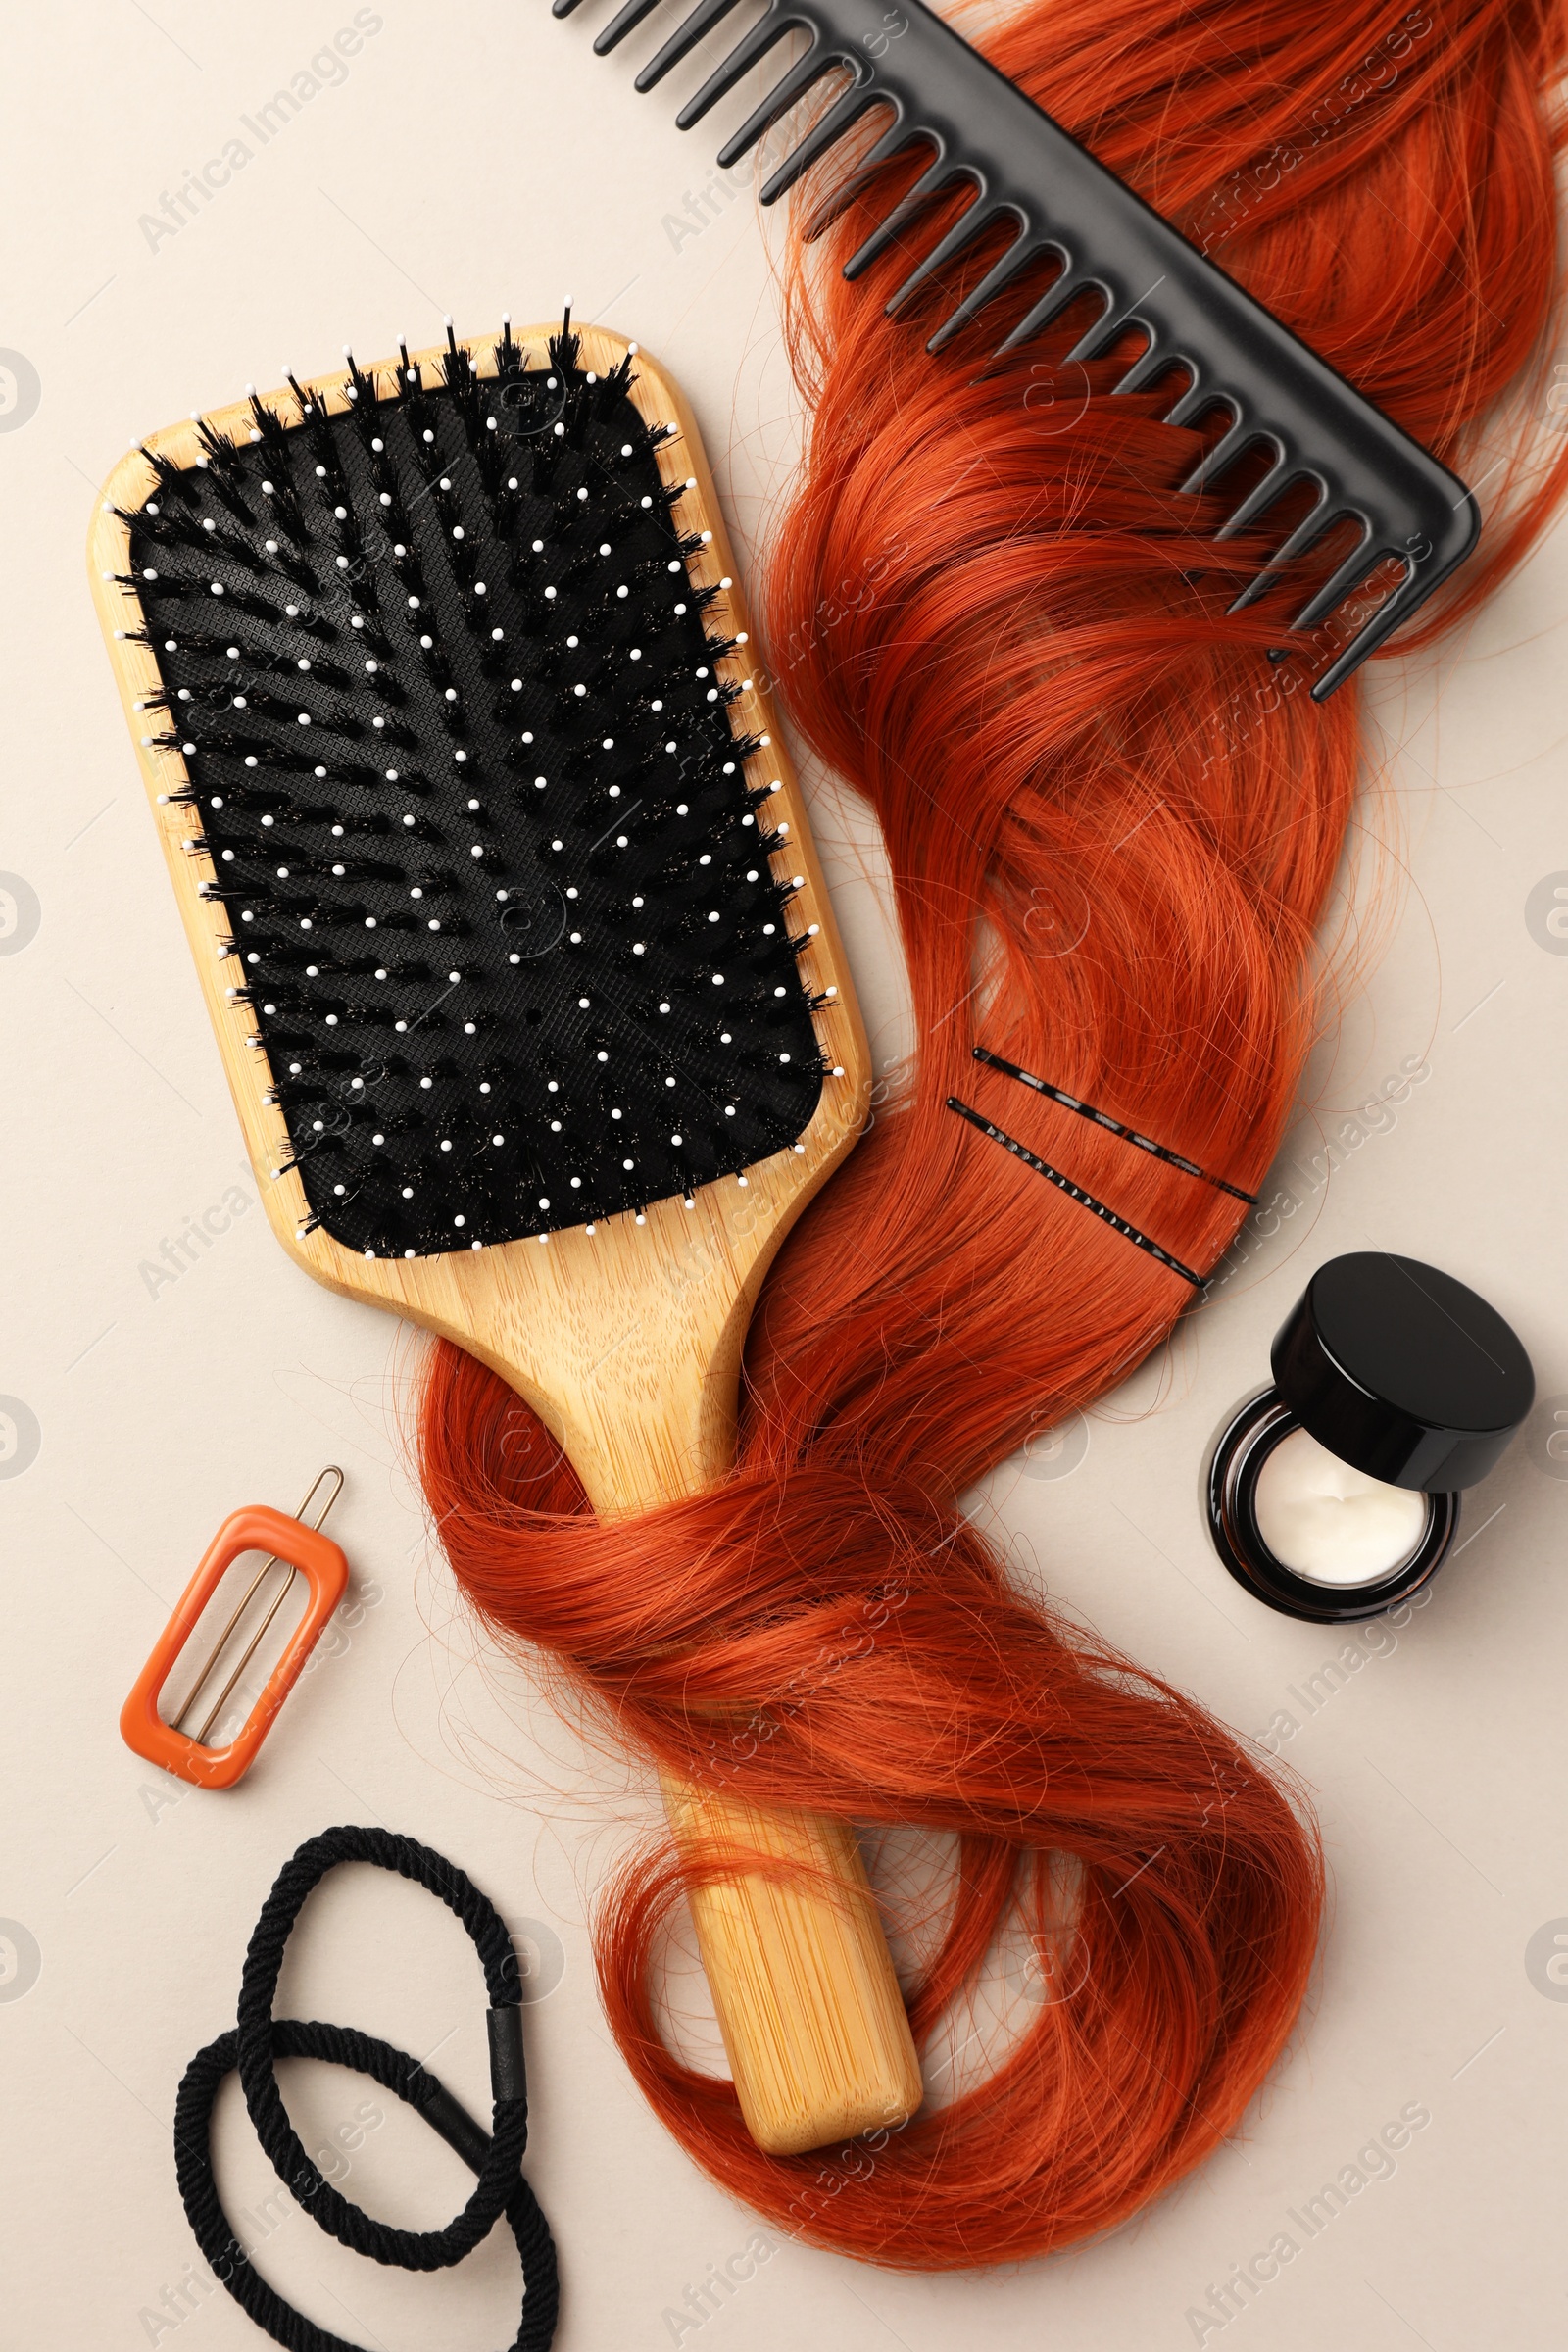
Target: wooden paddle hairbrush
point(519, 960)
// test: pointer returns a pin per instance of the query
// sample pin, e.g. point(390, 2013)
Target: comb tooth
point(1106, 328)
point(898, 134)
point(1196, 397)
point(800, 77)
point(1351, 574)
point(1255, 587)
point(1020, 251)
point(1385, 620)
point(926, 185)
point(847, 109)
point(1263, 495)
point(1229, 445)
point(1299, 540)
point(974, 218)
point(685, 38)
point(626, 20)
point(1055, 298)
point(1149, 363)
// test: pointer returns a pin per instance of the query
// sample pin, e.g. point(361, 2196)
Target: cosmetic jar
point(1334, 1493)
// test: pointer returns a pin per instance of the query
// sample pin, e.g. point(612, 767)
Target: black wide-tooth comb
point(522, 967)
point(1324, 436)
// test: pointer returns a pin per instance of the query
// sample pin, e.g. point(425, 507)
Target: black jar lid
point(1402, 1372)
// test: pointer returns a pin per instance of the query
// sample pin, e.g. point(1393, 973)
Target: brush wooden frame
point(627, 1341)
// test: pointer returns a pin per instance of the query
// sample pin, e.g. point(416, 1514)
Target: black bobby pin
point(1103, 1118)
point(1075, 1192)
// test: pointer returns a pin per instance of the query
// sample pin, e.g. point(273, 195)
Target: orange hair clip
point(295, 1545)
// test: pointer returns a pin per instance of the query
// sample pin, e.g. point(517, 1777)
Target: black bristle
point(225, 476)
point(438, 948)
point(268, 428)
point(173, 479)
point(364, 387)
point(565, 349)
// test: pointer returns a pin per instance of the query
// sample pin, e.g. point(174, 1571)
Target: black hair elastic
point(260, 2039)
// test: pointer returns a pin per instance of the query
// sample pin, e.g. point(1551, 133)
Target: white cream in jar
point(1330, 1523)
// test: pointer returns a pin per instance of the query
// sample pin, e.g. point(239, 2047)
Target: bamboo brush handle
point(814, 2023)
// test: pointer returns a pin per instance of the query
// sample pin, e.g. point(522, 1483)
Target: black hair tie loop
point(396, 2072)
point(260, 2039)
point(409, 2249)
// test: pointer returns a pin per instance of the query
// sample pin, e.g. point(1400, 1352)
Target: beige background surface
point(474, 160)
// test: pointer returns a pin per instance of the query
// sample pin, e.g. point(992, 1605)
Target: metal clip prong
point(252, 1589)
